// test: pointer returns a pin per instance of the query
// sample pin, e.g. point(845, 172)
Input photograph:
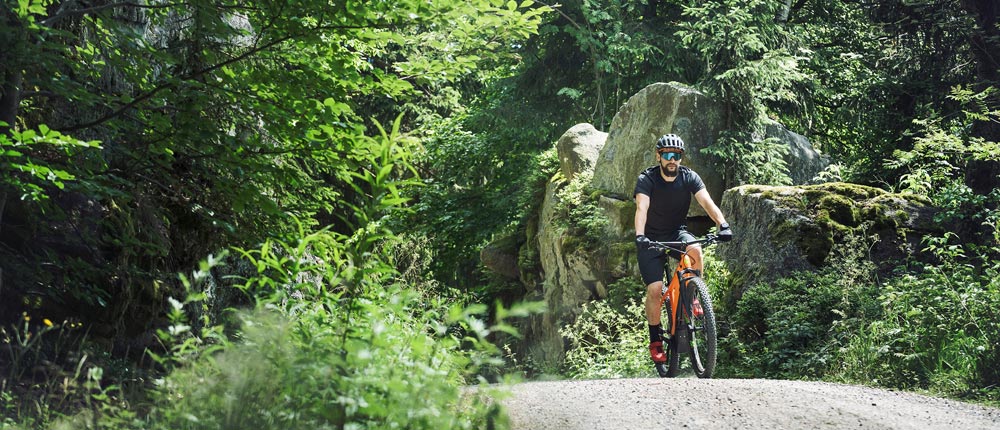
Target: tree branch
point(249, 53)
point(64, 13)
point(168, 85)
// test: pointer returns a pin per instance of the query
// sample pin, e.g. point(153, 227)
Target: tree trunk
point(10, 98)
point(981, 176)
point(985, 46)
point(3, 204)
point(649, 12)
point(786, 8)
point(10, 72)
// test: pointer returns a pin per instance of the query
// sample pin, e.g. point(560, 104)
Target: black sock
point(655, 333)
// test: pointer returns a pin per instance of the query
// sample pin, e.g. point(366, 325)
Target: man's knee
point(694, 251)
point(654, 289)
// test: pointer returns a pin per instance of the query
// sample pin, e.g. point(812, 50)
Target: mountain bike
point(689, 315)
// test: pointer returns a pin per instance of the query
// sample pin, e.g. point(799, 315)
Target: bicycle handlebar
point(681, 246)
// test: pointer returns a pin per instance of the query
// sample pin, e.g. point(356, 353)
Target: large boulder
point(663, 108)
point(803, 161)
point(780, 230)
point(500, 256)
point(654, 111)
point(578, 148)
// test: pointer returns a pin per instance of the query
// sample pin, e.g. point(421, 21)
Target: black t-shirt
point(668, 201)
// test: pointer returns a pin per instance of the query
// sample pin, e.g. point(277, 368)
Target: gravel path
point(732, 404)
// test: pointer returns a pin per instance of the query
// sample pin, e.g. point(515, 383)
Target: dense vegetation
point(326, 172)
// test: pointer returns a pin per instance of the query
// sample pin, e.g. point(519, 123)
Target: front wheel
point(703, 335)
point(672, 366)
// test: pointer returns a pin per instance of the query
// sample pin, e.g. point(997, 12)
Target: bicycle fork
point(681, 326)
point(669, 300)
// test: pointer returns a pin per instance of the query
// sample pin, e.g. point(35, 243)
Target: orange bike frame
point(673, 289)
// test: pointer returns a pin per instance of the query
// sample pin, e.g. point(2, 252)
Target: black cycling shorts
point(651, 261)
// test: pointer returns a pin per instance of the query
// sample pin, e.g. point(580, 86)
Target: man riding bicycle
point(662, 197)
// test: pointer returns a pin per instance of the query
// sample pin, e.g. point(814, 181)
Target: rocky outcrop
point(501, 258)
point(665, 108)
point(578, 149)
point(582, 238)
point(784, 229)
point(803, 161)
point(569, 275)
point(654, 111)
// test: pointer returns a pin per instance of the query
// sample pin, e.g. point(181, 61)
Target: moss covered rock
point(784, 229)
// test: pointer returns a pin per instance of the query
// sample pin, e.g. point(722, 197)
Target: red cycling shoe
point(656, 352)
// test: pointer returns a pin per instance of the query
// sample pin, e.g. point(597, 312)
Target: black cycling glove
point(642, 241)
point(725, 233)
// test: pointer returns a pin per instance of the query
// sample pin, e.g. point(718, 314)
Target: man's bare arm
point(641, 207)
point(706, 202)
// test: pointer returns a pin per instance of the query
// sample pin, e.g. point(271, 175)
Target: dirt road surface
point(689, 403)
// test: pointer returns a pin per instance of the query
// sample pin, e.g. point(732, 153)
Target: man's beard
point(668, 173)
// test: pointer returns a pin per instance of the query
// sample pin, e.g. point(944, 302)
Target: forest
point(269, 214)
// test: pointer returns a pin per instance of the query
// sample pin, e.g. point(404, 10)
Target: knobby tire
point(703, 339)
point(673, 359)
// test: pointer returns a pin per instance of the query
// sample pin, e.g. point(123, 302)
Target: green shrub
point(318, 353)
point(793, 326)
point(608, 343)
point(932, 327)
point(388, 364)
point(939, 330)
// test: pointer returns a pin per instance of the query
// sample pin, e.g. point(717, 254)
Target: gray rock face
point(654, 111)
point(500, 260)
point(578, 149)
point(570, 277)
point(803, 161)
point(756, 221)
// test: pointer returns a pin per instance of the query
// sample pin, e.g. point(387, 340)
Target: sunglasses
point(671, 156)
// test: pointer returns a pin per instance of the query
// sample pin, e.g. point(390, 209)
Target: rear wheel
point(673, 357)
point(703, 336)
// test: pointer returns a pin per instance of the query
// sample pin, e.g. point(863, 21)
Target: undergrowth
point(341, 333)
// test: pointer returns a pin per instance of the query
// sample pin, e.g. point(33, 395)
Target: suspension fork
point(677, 289)
point(671, 290)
